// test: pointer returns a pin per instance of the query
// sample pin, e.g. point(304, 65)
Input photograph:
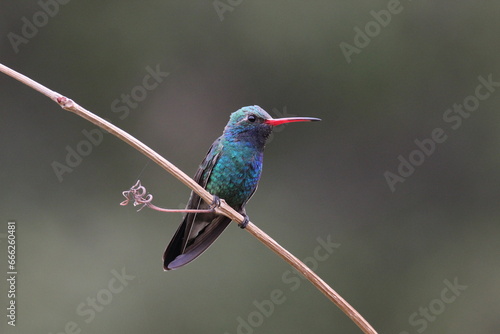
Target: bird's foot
point(244, 223)
point(215, 203)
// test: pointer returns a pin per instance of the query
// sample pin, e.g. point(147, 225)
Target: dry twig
point(224, 208)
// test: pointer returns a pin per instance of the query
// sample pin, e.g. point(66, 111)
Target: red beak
point(278, 121)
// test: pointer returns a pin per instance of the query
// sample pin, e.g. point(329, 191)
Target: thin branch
point(224, 208)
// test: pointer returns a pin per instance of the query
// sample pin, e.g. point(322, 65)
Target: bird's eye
point(252, 118)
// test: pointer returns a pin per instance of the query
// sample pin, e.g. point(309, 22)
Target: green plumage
point(231, 171)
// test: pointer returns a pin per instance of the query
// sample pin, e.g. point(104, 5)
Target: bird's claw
point(215, 203)
point(245, 222)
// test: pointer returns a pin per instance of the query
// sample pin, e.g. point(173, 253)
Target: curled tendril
point(138, 194)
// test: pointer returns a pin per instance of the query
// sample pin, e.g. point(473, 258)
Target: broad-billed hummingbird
point(231, 170)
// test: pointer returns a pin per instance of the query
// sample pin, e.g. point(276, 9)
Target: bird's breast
point(236, 175)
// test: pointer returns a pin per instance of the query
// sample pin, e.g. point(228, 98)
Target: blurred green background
point(399, 251)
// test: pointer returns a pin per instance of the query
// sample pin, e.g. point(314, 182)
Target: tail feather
point(181, 251)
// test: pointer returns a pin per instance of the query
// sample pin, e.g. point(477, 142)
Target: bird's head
point(254, 124)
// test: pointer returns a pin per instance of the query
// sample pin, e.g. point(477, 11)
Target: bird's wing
point(201, 177)
point(198, 230)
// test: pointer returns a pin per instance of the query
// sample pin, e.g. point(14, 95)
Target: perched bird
point(231, 170)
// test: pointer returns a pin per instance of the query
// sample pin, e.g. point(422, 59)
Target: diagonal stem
point(224, 208)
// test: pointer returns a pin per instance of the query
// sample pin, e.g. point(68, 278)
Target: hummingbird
point(231, 170)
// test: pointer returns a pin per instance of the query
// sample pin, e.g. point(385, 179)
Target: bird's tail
point(179, 252)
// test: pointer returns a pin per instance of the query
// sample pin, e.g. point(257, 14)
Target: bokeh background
point(397, 251)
